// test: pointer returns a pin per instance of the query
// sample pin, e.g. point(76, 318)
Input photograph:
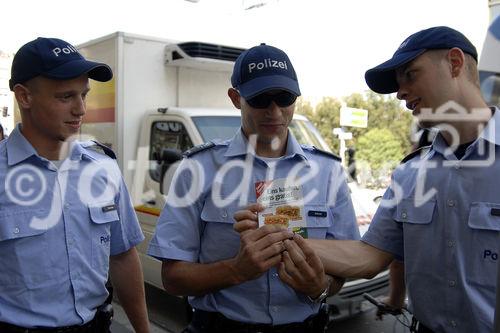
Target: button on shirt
point(203, 230)
point(443, 221)
point(58, 227)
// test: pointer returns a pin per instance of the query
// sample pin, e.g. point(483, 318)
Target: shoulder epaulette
point(421, 150)
point(326, 153)
point(102, 149)
point(197, 149)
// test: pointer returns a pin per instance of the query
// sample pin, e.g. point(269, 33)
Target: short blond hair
point(470, 65)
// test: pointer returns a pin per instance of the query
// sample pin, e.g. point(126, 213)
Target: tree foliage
point(325, 117)
point(381, 150)
point(384, 113)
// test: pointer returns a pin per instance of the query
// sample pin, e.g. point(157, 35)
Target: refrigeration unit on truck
point(165, 98)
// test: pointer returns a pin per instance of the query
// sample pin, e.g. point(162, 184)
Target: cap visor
point(261, 84)
point(96, 71)
point(382, 79)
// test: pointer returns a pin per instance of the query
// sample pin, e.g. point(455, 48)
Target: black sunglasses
point(262, 101)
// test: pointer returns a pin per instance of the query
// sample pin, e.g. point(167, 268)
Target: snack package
point(283, 204)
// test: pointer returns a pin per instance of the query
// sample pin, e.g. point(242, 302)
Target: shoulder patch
point(199, 148)
point(326, 153)
point(421, 150)
point(102, 149)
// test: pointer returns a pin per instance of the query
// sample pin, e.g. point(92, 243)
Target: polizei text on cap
point(267, 63)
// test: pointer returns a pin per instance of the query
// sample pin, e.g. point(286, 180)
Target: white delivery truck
point(165, 98)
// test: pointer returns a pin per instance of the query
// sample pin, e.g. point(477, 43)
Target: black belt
point(214, 322)
point(89, 327)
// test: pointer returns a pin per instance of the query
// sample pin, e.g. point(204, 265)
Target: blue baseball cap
point(382, 78)
point(55, 59)
point(262, 68)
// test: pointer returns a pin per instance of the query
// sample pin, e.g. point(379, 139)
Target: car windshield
point(224, 127)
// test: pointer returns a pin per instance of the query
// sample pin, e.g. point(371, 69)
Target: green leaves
point(387, 138)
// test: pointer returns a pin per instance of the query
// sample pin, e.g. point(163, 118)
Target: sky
point(330, 42)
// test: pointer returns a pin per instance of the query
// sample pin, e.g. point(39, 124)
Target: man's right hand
point(260, 248)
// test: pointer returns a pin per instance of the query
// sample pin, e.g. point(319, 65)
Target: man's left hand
point(302, 269)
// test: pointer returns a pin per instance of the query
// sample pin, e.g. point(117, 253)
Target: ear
point(23, 96)
point(456, 58)
point(234, 95)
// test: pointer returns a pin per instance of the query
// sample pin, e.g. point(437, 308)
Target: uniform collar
point(239, 146)
point(79, 149)
point(490, 133)
point(18, 147)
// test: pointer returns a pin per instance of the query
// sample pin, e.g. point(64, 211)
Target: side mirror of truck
point(167, 158)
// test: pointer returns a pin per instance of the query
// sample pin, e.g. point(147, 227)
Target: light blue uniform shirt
point(449, 235)
point(58, 227)
point(203, 231)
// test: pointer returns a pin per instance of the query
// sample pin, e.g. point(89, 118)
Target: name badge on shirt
point(108, 208)
point(495, 212)
point(316, 213)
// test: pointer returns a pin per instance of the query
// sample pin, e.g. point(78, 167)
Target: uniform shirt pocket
point(418, 232)
point(318, 221)
point(484, 216)
point(102, 215)
point(412, 212)
point(24, 258)
point(484, 223)
point(218, 241)
point(213, 213)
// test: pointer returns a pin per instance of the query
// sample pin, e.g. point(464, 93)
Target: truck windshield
point(217, 127)
point(224, 127)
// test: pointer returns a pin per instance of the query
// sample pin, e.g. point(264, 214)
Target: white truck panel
point(144, 82)
point(203, 88)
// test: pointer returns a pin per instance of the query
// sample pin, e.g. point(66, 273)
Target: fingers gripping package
point(283, 202)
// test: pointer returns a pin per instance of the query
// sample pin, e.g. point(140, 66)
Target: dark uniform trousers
point(100, 324)
point(86, 328)
point(213, 322)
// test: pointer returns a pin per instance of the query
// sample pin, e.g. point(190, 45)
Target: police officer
point(240, 284)
point(65, 214)
point(441, 213)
